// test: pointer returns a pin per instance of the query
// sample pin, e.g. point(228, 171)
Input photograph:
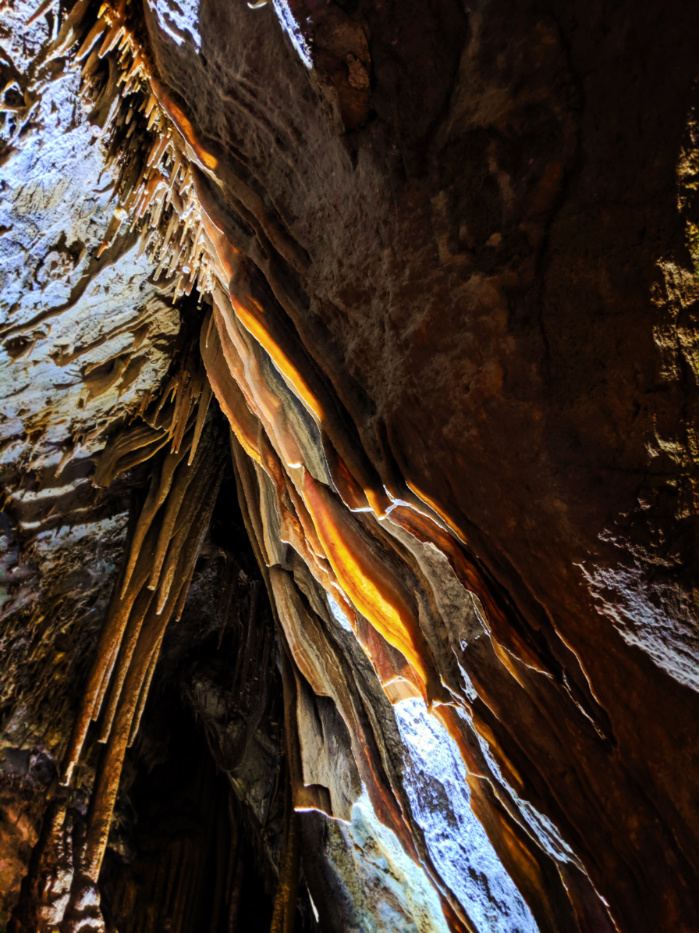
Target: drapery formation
point(382, 588)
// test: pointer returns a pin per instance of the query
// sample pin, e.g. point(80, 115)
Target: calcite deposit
point(349, 454)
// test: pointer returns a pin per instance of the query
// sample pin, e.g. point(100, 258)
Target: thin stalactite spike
point(126, 649)
point(202, 411)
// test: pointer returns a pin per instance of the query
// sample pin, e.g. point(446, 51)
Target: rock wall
point(445, 259)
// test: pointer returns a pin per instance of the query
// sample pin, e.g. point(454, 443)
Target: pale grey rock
point(435, 779)
point(387, 891)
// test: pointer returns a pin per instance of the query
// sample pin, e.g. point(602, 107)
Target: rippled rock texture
point(349, 445)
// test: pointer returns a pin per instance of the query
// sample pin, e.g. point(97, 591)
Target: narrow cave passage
point(193, 845)
point(183, 858)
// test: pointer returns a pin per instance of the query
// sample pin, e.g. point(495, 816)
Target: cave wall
point(500, 291)
point(446, 256)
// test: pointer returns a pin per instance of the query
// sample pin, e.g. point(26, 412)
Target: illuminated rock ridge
point(349, 450)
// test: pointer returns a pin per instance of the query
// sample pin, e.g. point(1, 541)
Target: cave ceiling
point(349, 451)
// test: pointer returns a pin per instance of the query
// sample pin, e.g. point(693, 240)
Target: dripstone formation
point(349, 445)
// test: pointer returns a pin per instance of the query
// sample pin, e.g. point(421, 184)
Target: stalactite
point(167, 535)
point(119, 453)
point(287, 886)
point(134, 691)
point(142, 438)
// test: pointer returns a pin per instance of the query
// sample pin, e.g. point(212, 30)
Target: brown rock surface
point(448, 262)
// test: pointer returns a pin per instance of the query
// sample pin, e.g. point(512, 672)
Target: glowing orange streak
point(252, 320)
point(182, 124)
point(264, 404)
point(230, 396)
point(359, 575)
point(437, 509)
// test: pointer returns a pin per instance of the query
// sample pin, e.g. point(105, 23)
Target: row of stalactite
point(151, 590)
point(159, 561)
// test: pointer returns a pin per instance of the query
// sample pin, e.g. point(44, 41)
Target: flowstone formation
point(349, 451)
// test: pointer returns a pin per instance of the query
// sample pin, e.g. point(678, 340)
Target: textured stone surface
point(438, 793)
point(70, 365)
point(448, 262)
point(488, 295)
point(70, 373)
